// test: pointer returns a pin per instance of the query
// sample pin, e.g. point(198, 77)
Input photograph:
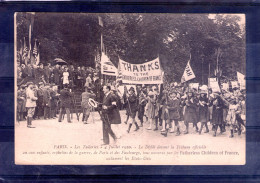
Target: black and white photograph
point(130, 89)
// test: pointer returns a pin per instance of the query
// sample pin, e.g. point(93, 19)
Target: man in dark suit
point(110, 114)
point(65, 98)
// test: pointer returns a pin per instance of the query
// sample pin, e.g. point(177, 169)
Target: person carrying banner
point(85, 96)
point(132, 108)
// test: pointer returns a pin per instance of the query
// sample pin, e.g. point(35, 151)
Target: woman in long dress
point(65, 76)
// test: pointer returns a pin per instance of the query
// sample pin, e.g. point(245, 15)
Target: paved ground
point(50, 133)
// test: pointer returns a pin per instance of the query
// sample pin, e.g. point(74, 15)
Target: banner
point(213, 84)
point(146, 73)
point(188, 73)
point(194, 86)
point(225, 86)
point(241, 80)
point(234, 84)
point(107, 67)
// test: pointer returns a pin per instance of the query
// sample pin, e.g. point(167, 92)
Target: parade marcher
point(30, 104)
point(141, 107)
point(158, 110)
point(115, 125)
point(86, 108)
point(173, 108)
point(132, 108)
point(165, 112)
point(97, 87)
point(203, 111)
point(217, 113)
point(190, 112)
point(231, 116)
point(65, 103)
point(151, 108)
point(109, 114)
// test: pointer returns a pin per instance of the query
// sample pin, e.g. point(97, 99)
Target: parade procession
point(133, 75)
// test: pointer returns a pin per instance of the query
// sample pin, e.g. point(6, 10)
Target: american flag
point(35, 50)
point(119, 76)
point(25, 49)
point(98, 60)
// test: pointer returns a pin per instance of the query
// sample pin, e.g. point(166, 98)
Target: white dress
point(65, 77)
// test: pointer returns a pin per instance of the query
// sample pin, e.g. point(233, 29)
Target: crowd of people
point(49, 91)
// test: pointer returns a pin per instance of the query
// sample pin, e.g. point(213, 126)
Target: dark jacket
point(112, 112)
point(174, 109)
point(217, 112)
point(132, 105)
point(203, 110)
point(65, 98)
point(190, 115)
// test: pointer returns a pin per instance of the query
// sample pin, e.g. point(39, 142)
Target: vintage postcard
point(130, 89)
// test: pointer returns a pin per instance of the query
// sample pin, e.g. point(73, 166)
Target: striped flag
point(35, 50)
point(100, 21)
point(119, 76)
point(98, 60)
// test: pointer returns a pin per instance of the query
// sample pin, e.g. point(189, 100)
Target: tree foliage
point(137, 38)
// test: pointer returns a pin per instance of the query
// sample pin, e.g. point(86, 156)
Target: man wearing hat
point(39, 102)
point(65, 98)
point(46, 101)
point(21, 100)
point(30, 104)
point(132, 108)
point(86, 108)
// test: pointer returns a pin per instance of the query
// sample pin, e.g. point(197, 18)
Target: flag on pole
point(37, 58)
point(241, 80)
point(35, 50)
point(100, 21)
point(25, 52)
point(188, 73)
point(119, 76)
point(107, 67)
